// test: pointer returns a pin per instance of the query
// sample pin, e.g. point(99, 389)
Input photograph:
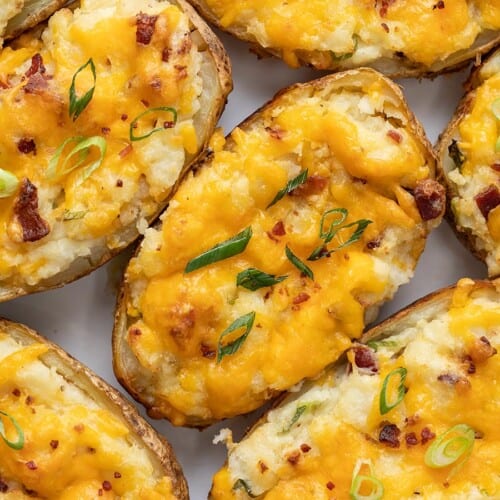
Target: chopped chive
point(253, 279)
point(384, 405)
point(298, 263)
point(365, 482)
point(19, 443)
point(245, 321)
point(290, 186)
point(361, 225)
point(78, 104)
point(376, 344)
point(240, 484)
point(298, 413)
point(165, 125)
point(327, 236)
point(456, 154)
point(8, 183)
point(342, 57)
point(70, 215)
point(221, 251)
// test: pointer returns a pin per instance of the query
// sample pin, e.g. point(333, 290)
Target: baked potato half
point(277, 250)
point(469, 161)
point(400, 38)
point(412, 414)
point(102, 112)
point(67, 434)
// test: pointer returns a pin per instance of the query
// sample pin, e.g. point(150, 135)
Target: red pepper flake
point(31, 465)
point(117, 475)
point(106, 486)
point(278, 229)
point(125, 151)
point(488, 200)
point(411, 439)
point(301, 297)
point(305, 448)
point(54, 444)
point(330, 485)
point(145, 28)
point(426, 434)
point(26, 146)
point(395, 136)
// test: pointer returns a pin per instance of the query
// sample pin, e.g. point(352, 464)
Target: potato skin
point(106, 396)
point(396, 67)
point(218, 73)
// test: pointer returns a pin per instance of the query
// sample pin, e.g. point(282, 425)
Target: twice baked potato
point(277, 250)
point(400, 38)
point(66, 434)
point(412, 414)
point(102, 112)
point(469, 160)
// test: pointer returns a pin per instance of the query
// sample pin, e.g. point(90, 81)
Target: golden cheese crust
point(102, 112)
point(67, 434)
point(469, 163)
point(315, 209)
point(413, 410)
point(398, 37)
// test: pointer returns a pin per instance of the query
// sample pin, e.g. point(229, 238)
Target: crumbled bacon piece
point(372, 244)
point(26, 145)
point(165, 54)
point(36, 84)
point(430, 199)
point(135, 331)
point(54, 443)
point(389, 435)
point(496, 166)
point(4, 487)
point(384, 6)
point(305, 448)
point(385, 27)
point(411, 439)
point(31, 465)
point(125, 152)
point(275, 133)
point(314, 184)
point(293, 458)
point(34, 228)
point(207, 351)
point(426, 434)
point(145, 28)
point(278, 229)
point(330, 485)
point(395, 136)
point(106, 486)
point(262, 466)
point(365, 358)
point(439, 5)
point(300, 298)
point(487, 200)
point(36, 66)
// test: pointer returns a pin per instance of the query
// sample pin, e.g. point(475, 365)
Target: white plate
point(79, 317)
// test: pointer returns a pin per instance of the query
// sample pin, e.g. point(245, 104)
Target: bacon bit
point(385, 27)
point(135, 331)
point(125, 152)
point(119, 183)
point(412, 420)
point(186, 45)
point(79, 428)
point(29, 400)
point(54, 444)
point(471, 367)
point(91, 450)
point(117, 475)
point(36, 66)
point(452, 379)
point(293, 458)
point(439, 5)
point(262, 466)
point(184, 322)
point(305, 448)
point(34, 228)
point(411, 439)
point(389, 435)
point(481, 350)
point(301, 297)
point(145, 28)
point(278, 229)
point(26, 145)
point(207, 351)
point(124, 117)
point(384, 7)
point(16, 392)
point(430, 199)
point(275, 133)
point(365, 358)
point(372, 244)
point(106, 486)
point(182, 72)
point(496, 167)
point(4, 487)
point(488, 200)
point(330, 485)
point(100, 492)
point(426, 434)
point(4, 85)
point(155, 83)
point(268, 294)
point(31, 465)
point(478, 434)
point(36, 84)
point(395, 136)
point(165, 54)
point(314, 184)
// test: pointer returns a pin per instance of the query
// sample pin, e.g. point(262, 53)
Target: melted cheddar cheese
point(453, 378)
point(478, 171)
point(362, 155)
point(137, 69)
point(73, 447)
point(359, 32)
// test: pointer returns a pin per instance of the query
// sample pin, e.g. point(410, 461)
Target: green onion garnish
point(456, 154)
point(453, 445)
point(342, 57)
point(386, 406)
point(495, 108)
point(253, 279)
point(365, 482)
point(376, 344)
point(221, 251)
point(70, 215)
point(327, 236)
point(8, 183)
point(15, 445)
point(77, 157)
point(243, 485)
point(298, 263)
point(78, 104)
point(245, 321)
point(290, 186)
point(165, 125)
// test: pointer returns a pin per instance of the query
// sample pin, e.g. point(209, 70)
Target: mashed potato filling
point(452, 378)
point(356, 153)
point(97, 173)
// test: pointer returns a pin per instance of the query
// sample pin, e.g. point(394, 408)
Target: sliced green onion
point(253, 279)
point(79, 155)
point(298, 263)
point(456, 154)
point(451, 446)
point(15, 445)
point(78, 104)
point(243, 485)
point(376, 344)
point(298, 413)
point(363, 481)
point(70, 215)
point(290, 186)
point(245, 321)
point(327, 236)
point(386, 406)
point(221, 251)
point(164, 126)
point(495, 108)
point(497, 145)
point(361, 225)
point(8, 183)
point(342, 57)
